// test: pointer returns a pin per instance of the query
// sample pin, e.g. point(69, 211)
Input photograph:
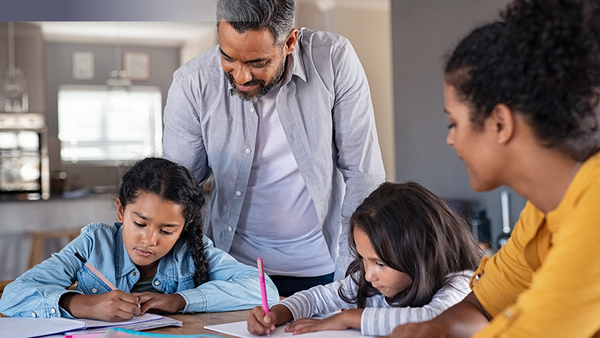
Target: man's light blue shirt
point(325, 108)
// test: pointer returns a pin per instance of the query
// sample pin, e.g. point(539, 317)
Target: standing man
point(283, 119)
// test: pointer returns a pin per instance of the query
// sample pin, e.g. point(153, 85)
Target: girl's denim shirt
point(232, 285)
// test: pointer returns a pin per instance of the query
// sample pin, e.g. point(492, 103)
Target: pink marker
point(263, 287)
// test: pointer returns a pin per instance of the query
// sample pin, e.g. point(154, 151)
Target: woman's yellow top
point(545, 282)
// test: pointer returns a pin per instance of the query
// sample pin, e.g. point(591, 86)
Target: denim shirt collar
point(123, 263)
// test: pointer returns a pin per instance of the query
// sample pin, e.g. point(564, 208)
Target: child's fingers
point(271, 318)
point(130, 307)
point(255, 323)
point(305, 325)
point(126, 297)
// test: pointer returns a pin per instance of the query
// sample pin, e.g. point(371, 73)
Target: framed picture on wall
point(137, 65)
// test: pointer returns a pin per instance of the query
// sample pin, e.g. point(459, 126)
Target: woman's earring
point(499, 141)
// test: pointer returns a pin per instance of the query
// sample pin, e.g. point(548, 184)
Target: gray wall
point(164, 61)
point(423, 33)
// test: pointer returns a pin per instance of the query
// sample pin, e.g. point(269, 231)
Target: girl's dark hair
point(412, 231)
point(175, 183)
point(543, 62)
point(275, 15)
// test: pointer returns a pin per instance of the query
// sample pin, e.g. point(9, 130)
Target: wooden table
point(194, 323)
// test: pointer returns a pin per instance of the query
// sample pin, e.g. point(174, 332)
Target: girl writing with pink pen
point(413, 259)
point(155, 256)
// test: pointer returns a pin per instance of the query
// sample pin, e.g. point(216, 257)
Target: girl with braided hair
point(155, 255)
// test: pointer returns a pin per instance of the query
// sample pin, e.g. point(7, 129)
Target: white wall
point(367, 24)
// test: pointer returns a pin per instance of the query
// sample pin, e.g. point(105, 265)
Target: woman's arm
point(379, 319)
point(461, 320)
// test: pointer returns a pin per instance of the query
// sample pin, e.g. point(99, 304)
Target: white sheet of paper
point(239, 329)
point(33, 327)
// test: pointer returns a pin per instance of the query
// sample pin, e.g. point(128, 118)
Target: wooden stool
point(38, 243)
point(3, 283)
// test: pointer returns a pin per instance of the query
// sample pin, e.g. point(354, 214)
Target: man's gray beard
point(263, 89)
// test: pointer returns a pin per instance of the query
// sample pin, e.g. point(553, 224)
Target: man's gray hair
point(275, 15)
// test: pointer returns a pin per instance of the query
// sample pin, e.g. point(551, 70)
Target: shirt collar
point(124, 264)
point(295, 61)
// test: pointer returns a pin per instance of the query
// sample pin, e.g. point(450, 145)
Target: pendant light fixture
point(118, 79)
point(14, 84)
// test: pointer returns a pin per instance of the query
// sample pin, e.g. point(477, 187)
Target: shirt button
point(248, 150)
point(94, 290)
point(508, 314)
point(53, 310)
point(134, 274)
point(157, 282)
point(229, 229)
point(34, 315)
point(238, 193)
point(252, 110)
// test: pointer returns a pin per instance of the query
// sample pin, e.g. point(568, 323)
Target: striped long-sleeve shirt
point(378, 318)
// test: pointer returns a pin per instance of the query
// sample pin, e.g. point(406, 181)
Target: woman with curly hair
point(521, 98)
point(154, 259)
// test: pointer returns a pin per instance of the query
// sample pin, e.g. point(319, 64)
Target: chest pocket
point(90, 284)
point(170, 286)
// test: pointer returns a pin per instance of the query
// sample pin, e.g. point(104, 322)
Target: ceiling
point(163, 33)
point(160, 33)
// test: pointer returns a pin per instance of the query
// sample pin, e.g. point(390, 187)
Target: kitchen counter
point(17, 217)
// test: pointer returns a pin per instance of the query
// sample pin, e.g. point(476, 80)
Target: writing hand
point(259, 324)
point(112, 306)
point(160, 303)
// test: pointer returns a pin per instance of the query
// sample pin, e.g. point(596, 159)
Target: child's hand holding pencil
point(262, 320)
point(113, 306)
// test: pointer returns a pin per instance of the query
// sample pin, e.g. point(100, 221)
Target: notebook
point(24, 327)
point(124, 333)
point(32, 327)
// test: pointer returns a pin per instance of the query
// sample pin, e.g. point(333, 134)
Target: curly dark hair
point(543, 62)
point(415, 232)
point(175, 183)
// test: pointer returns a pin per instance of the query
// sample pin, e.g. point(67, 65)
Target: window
point(97, 124)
